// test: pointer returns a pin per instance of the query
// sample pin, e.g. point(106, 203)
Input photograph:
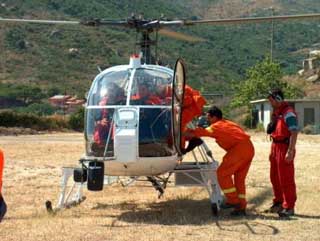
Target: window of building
point(309, 116)
point(262, 112)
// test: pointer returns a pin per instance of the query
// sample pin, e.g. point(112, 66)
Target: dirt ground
point(32, 176)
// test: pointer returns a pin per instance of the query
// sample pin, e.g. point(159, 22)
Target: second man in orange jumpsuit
point(233, 170)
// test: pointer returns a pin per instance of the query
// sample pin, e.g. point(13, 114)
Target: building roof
point(60, 97)
point(75, 102)
point(65, 100)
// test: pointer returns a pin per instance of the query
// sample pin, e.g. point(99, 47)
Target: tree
point(15, 38)
point(27, 93)
point(261, 78)
point(53, 91)
point(39, 109)
point(76, 120)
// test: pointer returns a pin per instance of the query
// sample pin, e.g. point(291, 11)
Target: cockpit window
point(107, 112)
point(151, 87)
point(110, 89)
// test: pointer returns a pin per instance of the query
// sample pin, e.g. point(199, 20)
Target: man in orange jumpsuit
point(193, 103)
point(284, 136)
point(236, 162)
point(3, 206)
point(192, 106)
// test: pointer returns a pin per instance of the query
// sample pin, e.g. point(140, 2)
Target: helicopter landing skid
point(157, 185)
point(69, 196)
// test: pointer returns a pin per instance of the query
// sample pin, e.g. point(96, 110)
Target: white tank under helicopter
point(127, 136)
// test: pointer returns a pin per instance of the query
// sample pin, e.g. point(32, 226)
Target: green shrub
point(260, 128)
point(76, 120)
point(248, 121)
point(15, 38)
point(13, 119)
point(39, 109)
point(311, 129)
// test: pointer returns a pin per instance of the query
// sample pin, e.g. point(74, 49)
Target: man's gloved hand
point(193, 143)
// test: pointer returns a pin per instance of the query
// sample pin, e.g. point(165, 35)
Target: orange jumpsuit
point(236, 162)
point(1, 169)
point(193, 103)
point(102, 128)
point(150, 100)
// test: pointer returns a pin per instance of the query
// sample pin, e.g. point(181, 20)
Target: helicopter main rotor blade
point(13, 20)
point(251, 20)
point(159, 24)
point(99, 22)
point(180, 36)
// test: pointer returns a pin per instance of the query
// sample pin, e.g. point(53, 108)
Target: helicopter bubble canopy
point(128, 113)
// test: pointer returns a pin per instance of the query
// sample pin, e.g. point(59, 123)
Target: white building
point(308, 111)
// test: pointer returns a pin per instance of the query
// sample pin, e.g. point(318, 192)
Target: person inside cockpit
point(113, 95)
point(144, 96)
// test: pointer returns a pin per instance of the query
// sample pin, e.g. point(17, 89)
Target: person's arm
point(292, 146)
point(199, 132)
point(292, 123)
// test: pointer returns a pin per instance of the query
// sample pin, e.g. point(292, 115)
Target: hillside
point(37, 54)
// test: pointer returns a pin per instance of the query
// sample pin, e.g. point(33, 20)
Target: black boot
point(226, 205)
point(275, 208)
point(238, 213)
point(286, 213)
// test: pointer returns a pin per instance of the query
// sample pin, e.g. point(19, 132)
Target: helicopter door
point(177, 102)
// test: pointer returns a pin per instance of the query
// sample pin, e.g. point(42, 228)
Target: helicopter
point(131, 133)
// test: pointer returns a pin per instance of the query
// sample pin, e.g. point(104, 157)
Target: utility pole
point(272, 33)
point(64, 105)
